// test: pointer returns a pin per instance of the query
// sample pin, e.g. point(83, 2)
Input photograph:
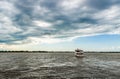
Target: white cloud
point(116, 48)
point(47, 40)
point(7, 11)
point(13, 47)
point(115, 31)
point(108, 15)
point(42, 24)
point(71, 4)
point(38, 10)
point(7, 26)
point(90, 29)
point(8, 8)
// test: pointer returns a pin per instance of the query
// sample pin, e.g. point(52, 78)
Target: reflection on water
point(59, 66)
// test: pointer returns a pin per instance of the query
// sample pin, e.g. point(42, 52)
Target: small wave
point(102, 63)
point(58, 64)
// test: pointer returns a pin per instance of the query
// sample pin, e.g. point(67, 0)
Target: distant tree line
point(36, 52)
point(102, 52)
point(22, 51)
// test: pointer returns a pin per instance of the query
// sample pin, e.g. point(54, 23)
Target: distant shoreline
point(58, 52)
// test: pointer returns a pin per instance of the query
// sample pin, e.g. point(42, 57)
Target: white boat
point(79, 53)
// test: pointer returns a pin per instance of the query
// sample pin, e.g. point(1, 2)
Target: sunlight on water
point(58, 64)
point(102, 63)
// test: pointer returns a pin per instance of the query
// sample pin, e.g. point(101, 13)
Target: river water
point(59, 66)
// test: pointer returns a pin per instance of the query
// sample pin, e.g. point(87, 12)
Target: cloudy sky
point(60, 25)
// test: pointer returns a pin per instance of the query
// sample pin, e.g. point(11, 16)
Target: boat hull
point(79, 56)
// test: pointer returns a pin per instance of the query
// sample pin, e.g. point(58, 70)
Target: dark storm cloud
point(100, 4)
point(57, 19)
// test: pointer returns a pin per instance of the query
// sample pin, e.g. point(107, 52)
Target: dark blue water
point(59, 66)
